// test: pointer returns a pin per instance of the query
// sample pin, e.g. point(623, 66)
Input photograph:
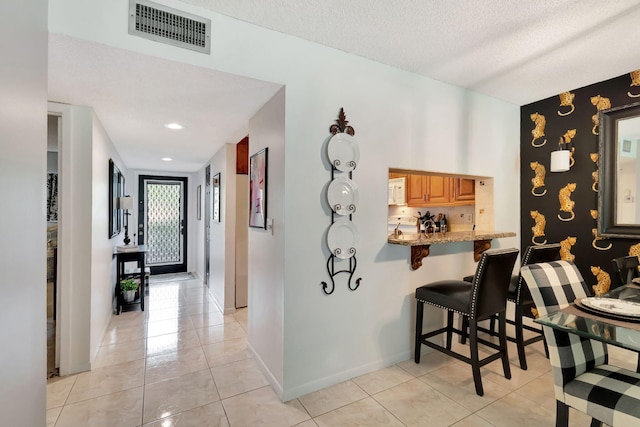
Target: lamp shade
point(560, 161)
point(125, 202)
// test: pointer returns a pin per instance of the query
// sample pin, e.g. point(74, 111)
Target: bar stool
point(485, 296)
point(520, 296)
point(625, 269)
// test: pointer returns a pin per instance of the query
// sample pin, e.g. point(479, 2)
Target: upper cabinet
point(417, 190)
point(464, 190)
point(436, 190)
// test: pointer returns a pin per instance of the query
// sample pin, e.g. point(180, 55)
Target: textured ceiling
point(514, 50)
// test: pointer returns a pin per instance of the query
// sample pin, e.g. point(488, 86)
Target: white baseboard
point(275, 385)
point(339, 377)
point(219, 306)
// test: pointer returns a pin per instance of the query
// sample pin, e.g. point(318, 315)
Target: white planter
point(129, 296)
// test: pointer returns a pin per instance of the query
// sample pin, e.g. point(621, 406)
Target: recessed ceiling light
point(174, 126)
point(167, 159)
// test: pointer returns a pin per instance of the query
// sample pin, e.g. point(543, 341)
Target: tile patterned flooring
point(183, 363)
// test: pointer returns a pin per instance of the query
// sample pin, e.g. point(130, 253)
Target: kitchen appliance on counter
point(405, 223)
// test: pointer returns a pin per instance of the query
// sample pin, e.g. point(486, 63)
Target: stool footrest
point(461, 357)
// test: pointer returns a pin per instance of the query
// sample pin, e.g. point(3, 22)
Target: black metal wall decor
point(342, 194)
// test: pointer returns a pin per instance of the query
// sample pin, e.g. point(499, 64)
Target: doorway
point(53, 145)
point(162, 223)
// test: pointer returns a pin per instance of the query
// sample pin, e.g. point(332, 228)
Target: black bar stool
point(485, 296)
point(520, 296)
point(625, 269)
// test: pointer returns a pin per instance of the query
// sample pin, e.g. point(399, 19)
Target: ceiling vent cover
point(166, 25)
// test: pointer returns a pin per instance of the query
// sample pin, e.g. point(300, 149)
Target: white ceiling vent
point(163, 24)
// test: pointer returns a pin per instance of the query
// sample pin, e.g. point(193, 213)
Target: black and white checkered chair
point(582, 377)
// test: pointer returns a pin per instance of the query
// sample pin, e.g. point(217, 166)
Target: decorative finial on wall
point(342, 125)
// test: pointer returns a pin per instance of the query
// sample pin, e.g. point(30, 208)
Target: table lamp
point(126, 203)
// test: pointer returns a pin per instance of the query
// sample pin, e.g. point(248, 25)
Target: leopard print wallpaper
point(562, 207)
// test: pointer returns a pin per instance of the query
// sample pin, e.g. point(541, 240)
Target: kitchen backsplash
point(459, 218)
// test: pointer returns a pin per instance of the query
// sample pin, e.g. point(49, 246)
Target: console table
point(130, 255)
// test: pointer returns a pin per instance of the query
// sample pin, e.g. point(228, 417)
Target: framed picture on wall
point(199, 202)
point(258, 189)
point(216, 197)
point(121, 193)
point(114, 192)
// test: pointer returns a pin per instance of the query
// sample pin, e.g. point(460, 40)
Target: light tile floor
point(183, 363)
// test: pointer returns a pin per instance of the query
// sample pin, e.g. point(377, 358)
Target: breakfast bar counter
point(420, 243)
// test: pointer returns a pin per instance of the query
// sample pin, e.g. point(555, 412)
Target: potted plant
point(128, 287)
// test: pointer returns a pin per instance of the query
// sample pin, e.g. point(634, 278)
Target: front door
point(162, 223)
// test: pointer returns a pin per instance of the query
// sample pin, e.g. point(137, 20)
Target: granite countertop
point(414, 239)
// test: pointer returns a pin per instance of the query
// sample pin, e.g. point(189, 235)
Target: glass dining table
point(606, 326)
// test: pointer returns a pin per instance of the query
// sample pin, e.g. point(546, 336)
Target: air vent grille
point(167, 25)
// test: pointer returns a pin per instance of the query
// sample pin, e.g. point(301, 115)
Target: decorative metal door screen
point(164, 222)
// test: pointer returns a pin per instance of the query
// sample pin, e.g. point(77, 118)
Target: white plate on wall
point(342, 195)
point(613, 306)
point(343, 238)
point(343, 152)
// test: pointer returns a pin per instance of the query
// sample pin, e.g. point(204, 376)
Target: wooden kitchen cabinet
point(423, 190)
point(416, 190)
point(435, 190)
point(397, 175)
point(438, 189)
point(464, 191)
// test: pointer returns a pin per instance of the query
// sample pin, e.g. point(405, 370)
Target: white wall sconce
point(560, 161)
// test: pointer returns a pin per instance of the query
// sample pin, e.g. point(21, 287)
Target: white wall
point(198, 226)
point(266, 250)
point(241, 238)
point(222, 245)
point(23, 166)
point(402, 121)
point(103, 268)
point(74, 249)
point(87, 273)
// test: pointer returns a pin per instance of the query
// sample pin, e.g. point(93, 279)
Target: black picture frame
point(258, 172)
point(216, 197)
point(199, 203)
point(115, 178)
point(121, 193)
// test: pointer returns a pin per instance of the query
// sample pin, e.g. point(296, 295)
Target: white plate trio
point(342, 194)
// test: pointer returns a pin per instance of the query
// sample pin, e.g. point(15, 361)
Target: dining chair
point(625, 269)
point(485, 296)
point(582, 377)
point(519, 295)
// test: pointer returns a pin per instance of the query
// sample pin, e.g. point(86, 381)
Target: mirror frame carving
point(607, 152)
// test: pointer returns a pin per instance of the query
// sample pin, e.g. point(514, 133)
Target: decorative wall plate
point(342, 195)
point(613, 306)
point(343, 152)
point(342, 238)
